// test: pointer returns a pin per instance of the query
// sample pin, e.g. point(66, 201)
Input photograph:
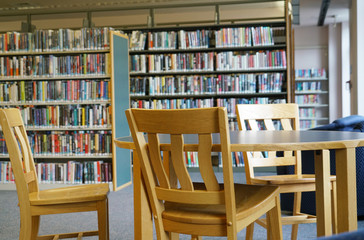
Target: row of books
point(244, 37)
point(67, 143)
point(307, 112)
point(197, 84)
point(236, 157)
point(52, 65)
point(54, 91)
point(308, 86)
point(172, 103)
point(230, 103)
point(70, 116)
point(177, 39)
point(307, 99)
point(250, 60)
point(56, 40)
point(224, 37)
point(156, 63)
point(306, 124)
point(191, 159)
point(311, 73)
point(172, 62)
point(70, 172)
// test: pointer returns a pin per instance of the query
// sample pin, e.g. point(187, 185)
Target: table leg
point(323, 197)
point(143, 223)
point(346, 190)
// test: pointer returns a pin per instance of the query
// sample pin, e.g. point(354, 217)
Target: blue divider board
point(120, 63)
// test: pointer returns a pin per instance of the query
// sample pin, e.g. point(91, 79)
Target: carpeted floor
point(121, 219)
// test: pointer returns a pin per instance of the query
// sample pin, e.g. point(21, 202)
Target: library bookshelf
point(211, 65)
point(63, 81)
point(311, 94)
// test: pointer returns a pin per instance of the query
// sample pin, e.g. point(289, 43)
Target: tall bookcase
point(64, 83)
point(205, 66)
point(213, 65)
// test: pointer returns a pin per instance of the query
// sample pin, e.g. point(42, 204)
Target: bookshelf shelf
point(61, 52)
point(205, 49)
point(311, 92)
point(65, 156)
point(47, 103)
point(59, 77)
point(311, 79)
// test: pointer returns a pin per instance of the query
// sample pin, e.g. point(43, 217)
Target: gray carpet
point(121, 219)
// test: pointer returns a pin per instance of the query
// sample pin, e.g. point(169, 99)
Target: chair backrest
point(176, 124)
point(270, 117)
point(20, 154)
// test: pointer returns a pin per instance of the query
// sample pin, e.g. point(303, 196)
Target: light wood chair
point(271, 117)
point(32, 202)
point(197, 209)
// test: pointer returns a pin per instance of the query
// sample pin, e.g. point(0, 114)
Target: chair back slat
point(179, 163)
point(23, 147)
point(156, 159)
point(204, 161)
point(275, 117)
point(268, 123)
point(286, 124)
point(30, 177)
point(253, 124)
point(20, 153)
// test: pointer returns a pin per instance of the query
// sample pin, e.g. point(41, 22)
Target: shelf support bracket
point(217, 14)
point(150, 19)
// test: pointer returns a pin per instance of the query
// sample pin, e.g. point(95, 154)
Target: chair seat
point(248, 199)
point(287, 179)
point(73, 194)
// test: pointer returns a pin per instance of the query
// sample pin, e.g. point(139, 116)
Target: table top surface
point(274, 140)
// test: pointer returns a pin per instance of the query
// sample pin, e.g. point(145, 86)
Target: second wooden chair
point(271, 117)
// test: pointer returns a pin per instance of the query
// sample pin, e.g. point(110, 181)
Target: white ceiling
point(309, 9)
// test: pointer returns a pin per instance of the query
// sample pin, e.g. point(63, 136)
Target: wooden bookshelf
point(311, 94)
point(66, 92)
point(213, 65)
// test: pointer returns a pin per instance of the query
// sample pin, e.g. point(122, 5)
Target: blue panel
point(121, 103)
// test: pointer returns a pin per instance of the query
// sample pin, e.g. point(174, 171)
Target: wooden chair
point(197, 209)
point(32, 202)
point(256, 117)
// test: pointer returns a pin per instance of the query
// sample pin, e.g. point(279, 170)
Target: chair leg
point(26, 222)
point(174, 236)
point(103, 219)
point(334, 208)
point(35, 227)
point(274, 221)
point(249, 232)
point(296, 211)
point(269, 227)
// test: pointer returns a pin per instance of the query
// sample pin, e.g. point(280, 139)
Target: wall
point(139, 17)
point(311, 47)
